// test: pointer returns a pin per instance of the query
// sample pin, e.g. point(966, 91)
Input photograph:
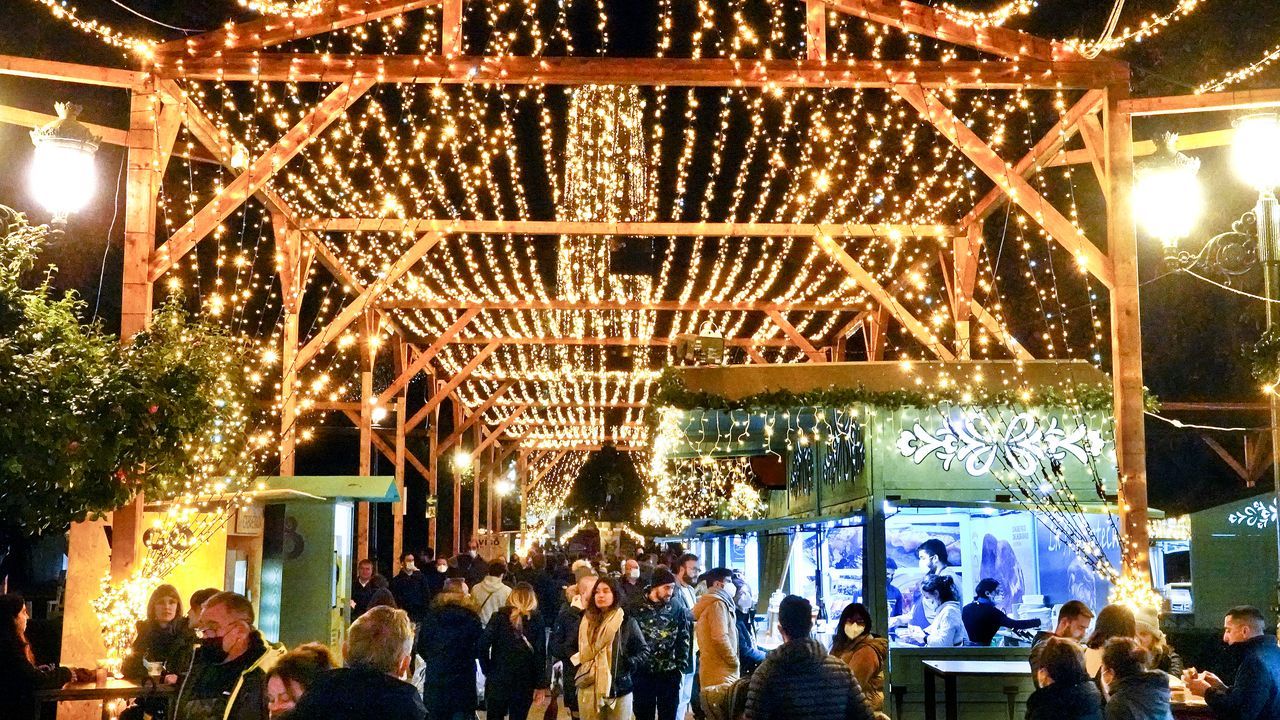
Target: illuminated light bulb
point(240, 157)
point(1255, 152)
point(63, 176)
point(462, 460)
point(378, 414)
point(1168, 199)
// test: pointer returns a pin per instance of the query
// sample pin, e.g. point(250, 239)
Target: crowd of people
point(649, 637)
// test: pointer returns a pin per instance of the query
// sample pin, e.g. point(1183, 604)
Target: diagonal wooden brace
point(448, 388)
point(474, 417)
point(426, 356)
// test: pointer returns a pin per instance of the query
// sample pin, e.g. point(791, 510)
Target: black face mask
point(212, 650)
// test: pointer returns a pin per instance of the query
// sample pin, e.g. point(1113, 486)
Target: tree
point(87, 423)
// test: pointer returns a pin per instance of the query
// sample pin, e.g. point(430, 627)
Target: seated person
point(941, 599)
point(983, 617)
point(293, 674)
point(161, 650)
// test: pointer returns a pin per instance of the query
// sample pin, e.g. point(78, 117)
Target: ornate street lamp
point(62, 176)
point(1253, 240)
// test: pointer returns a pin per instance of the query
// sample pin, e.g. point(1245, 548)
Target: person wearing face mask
point(934, 560)
point(940, 599)
point(983, 617)
point(228, 679)
point(1065, 690)
point(744, 609)
point(1134, 690)
point(686, 571)
point(668, 629)
point(716, 631)
point(410, 589)
point(437, 572)
point(864, 653)
point(629, 582)
point(377, 654)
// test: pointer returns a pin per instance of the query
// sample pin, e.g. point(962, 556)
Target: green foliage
point(87, 422)
point(671, 392)
point(1264, 356)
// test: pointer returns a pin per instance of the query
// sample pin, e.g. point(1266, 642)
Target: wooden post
point(457, 479)
point(292, 280)
point(522, 477)
point(815, 28)
point(433, 474)
point(477, 470)
point(1126, 336)
point(965, 251)
point(368, 356)
point(397, 508)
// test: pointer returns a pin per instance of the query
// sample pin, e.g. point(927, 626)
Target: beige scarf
point(594, 659)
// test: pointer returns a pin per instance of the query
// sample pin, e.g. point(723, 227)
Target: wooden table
point(950, 670)
point(113, 689)
point(1191, 708)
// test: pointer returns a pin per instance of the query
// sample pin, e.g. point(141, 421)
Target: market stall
point(1015, 479)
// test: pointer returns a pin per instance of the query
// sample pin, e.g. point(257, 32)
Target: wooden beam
point(1040, 155)
point(965, 251)
point(1126, 339)
point(1226, 457)
point(447, 388)
point(642, 229)
point(476, 415)
point(275, 30)
point(1000, 332)
point(258, 175)
point(425, 357)
point(364, 423)
point(649, 72)
point(542, 404)
point(755, 355)
point(868, 283)
point(386, 448)
point(815, 29)
point(1086, 254)
point(532, 304)
point(365, 300)
point(451, 28)
point(1095, 146)
point(502, 427)
point(1143, 148)
point(31, 119)
point(930, 22)
point(606, 341)
point(1173, 406)
point(1204, 102)
point(796, 338)
point(72, 72)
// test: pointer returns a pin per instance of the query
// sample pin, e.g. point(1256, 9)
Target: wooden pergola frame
point(160, 108)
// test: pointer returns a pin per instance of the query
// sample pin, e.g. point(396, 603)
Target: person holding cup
point(161, 650)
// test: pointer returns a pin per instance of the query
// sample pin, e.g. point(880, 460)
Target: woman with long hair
point(941, 601)
point(164, 640)
point(610, 648)
point(1113, 621)
point(20, 677)
point(1065, 690)
point(864, 652)
point(1134, 690)
point(513, 656)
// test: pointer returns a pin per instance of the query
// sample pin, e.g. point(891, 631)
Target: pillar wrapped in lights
point(63, 176)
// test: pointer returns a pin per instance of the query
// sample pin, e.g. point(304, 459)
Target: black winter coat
point(1140, 697)
point(1061, 701)
point(447, 642)
point(550, 595)
point(801, 681)
point(749, 654)
point(356, 692)
point(172, 645)
point(19, 681)
point(411, 594)
point(630, 654)
point(1254, 694)
point(514, 660)
point(982, 619)
point(362, 594)
point(564, 643)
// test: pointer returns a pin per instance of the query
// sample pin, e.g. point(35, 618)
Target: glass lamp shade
point(1168, 201)
point(63, 177)
point(1255, 152)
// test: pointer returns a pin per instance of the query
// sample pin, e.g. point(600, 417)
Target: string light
point(142, 48)
point(1241, 74)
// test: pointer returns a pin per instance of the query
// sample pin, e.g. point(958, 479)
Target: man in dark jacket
point(1254, 694)
point(228, 676)
point(378, 651)
point(367, 582)
point(668, 629)
point(800, 680)
point(410, 588)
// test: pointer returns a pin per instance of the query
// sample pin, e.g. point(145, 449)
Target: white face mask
point(853, 630)
point(472, 553)
point(442, 569)
point(633, 573)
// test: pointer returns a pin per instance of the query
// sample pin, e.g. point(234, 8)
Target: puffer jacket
point(1140, 697)
point(447, 641)
point(801, 681)
point(866, 660)
point(716, 627)
point(668, 629)
point(1066, 701)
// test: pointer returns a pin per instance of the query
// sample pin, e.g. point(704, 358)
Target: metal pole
point(1268, 217)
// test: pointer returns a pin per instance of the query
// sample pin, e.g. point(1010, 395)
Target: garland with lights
point(1241, 74)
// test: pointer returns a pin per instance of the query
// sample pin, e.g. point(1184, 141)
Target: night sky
point(1193, 334)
